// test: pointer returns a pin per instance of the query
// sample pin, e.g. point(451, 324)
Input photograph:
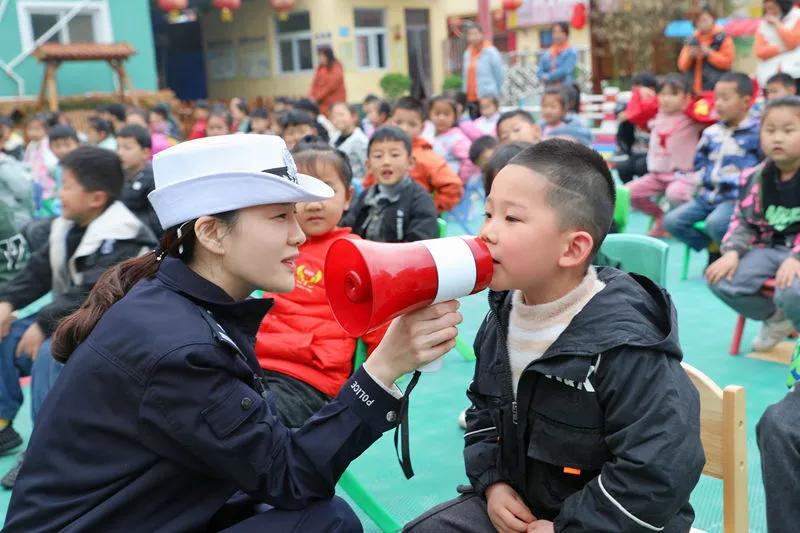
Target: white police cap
point(217, 174)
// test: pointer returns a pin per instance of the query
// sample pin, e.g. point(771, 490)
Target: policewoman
point(159, 420)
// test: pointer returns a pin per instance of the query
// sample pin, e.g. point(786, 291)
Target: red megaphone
point(369, 283)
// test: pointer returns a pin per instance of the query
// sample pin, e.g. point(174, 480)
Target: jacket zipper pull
point(514, 412)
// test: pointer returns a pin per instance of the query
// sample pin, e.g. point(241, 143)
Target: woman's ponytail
point(111, 287)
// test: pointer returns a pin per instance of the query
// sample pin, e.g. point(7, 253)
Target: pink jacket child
point(673, 142)
point(454, 145)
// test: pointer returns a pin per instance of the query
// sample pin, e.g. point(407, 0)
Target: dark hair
point(201, 104)
point(515, 113)
point(305, 104)
point(581, 191)
point(448, 101)
point(297, 117)
point(792, 102)
point(411, 104)
point(327, 51)
point(259, 112)
point(784, 5)
point(118, 111)
point(351, 108)
point(782, 78)
point(564, 27)
point(45, 118)
point(6, 122)
point(500, 158)
point(371, 98)
point(460, 97)
point(115, 283)
point(561, 93)
point(62, 131)
point(101, 125)
point(311, 155)
point(219, 110)
point(679, 83)
point(389, 133)
point(137, 133)
point(96, 169)
point(744, 85)
point(384, 108)
point(284, 100)
point(704, 8)
point(480, 145)
point(161, 110)
point(645, 79)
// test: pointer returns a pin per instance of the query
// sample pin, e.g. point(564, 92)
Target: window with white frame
point(370, 38)
point(294, 43)
point(65, 21)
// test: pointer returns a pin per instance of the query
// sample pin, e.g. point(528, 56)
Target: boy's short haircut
point(500, 158)
point(96, 169)
point(161, 110)
point(782, 78)
point(62, 131)
point(676, 81)
point(297, 117)
point(137, 133)
point(138, 111)
point(384, 108)
point(645, 79)
point(371, 98)
point(285, 100)
point(410, 103)
point(744, 85)
point(101, 125)
point(118, 111)
point(561, 93)
point(259, 112)
point(480, 145)
point(581, 189)
point(312, 154)
point(390, 133)
point(305, 104)
point(515, 113)
point(201, 104)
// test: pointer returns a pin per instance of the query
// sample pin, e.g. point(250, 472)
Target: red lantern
point(578, 20)
point(282, 7)
point(227, 7)
point(511, 5)
point(173, 8)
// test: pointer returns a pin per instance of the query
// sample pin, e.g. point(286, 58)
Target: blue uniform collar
point(247, 314)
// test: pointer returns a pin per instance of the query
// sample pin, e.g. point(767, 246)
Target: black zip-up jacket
point(413, 217)
point(134, 196)
point(604, 434)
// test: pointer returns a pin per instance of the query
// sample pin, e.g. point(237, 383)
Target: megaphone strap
point(402, 429)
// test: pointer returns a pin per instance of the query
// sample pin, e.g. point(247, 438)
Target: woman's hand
point(724, 267)
point(414, 340)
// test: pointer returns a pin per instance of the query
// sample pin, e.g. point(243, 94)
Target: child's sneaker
point(9, 439)
point(772, 332)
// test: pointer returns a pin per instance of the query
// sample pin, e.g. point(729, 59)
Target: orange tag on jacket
point(572, 471)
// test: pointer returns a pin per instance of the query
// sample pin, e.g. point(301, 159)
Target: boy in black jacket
point(396, 208)
point(582, 418)
point(94, 232)
point(134, 146)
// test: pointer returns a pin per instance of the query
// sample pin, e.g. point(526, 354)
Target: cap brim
point(207, 195)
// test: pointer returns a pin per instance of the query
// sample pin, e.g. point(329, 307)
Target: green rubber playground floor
point(705, 327)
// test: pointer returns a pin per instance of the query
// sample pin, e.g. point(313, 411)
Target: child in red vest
point(305, 354)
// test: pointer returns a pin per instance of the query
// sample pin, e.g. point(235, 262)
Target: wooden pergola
point(53, 54)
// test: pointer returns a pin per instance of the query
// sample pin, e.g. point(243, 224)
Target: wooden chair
point(723, 433)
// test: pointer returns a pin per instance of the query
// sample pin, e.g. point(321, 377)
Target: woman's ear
point(209, 232)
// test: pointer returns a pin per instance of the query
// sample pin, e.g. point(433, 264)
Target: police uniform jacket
point(159, 418)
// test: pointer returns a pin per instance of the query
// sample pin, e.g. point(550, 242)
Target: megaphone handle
point(401, 431)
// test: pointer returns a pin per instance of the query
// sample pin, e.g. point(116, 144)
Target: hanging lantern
point(578, 20)
point(282, 8)
point(227, 7)
point(511, 5)
point(173, 8)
